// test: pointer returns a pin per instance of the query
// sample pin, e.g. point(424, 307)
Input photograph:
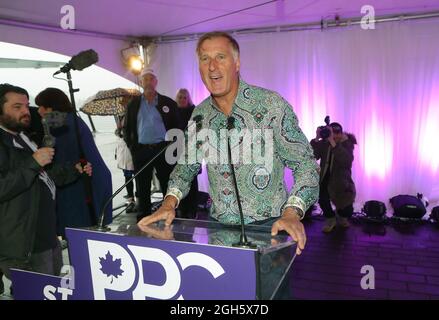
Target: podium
point(189, 260)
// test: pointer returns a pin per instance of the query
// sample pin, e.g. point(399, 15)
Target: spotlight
point(133, 58)
point(135, 64)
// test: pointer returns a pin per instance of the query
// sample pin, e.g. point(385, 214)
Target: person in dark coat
point(336, 154)
point(148, 118)
point(28, 189)
point(72, 206)
point(188, 206)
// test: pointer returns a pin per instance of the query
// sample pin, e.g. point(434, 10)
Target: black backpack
point(434, 215)
point(406, 206)
point(374, 209)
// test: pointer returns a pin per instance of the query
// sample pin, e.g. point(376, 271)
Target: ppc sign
point(109, 266)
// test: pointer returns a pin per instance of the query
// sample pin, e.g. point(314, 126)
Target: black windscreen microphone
point(79, 62)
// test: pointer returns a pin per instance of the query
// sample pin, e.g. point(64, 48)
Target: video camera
point(325, 132)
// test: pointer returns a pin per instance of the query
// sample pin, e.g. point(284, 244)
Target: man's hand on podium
point(165, 212)
point(157, 233)
point(290, 222)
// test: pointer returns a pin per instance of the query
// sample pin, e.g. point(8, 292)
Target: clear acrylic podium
point(273, 256)
point(191, 259)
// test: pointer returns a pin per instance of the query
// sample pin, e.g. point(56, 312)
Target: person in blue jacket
point(77, 204)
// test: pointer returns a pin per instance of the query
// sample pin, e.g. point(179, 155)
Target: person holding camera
point(335, 149)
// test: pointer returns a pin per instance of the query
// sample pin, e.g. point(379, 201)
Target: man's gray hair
point(219, 34)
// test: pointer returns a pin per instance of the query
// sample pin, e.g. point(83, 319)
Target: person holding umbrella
point(125, 163)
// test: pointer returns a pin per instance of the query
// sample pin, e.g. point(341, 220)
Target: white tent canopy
point(382, 85)
point(152, 18)
point(107, 25)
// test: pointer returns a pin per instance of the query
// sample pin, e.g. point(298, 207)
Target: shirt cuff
point(176, 193)
point(296, 202)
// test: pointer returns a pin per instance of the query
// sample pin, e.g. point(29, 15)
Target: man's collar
point(9, 131)
point(155, 100)
point(242, 99)
point(155, 95)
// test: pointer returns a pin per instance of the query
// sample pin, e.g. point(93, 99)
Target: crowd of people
point(44, 189)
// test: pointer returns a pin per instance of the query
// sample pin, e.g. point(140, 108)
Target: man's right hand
point(165, 212)
point(44, 156)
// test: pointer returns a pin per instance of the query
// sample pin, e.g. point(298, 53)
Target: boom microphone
point(81, 61)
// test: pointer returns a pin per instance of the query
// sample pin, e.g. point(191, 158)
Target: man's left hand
point(87, 168)
point(290, 222)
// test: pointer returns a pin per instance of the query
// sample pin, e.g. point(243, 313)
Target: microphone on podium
point(100, 226)
point(243, 242)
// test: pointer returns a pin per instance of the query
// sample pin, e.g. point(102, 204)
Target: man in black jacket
point(148, 118)
point(27, 191)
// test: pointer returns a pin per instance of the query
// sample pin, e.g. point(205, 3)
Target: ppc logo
point(114, 268)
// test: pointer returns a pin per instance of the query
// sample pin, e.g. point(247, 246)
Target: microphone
point(230, 123)
point(243, 242)
point(100, 227)
point(198, 123)
point(48, 139)
point(54, 119)
point(79, 62)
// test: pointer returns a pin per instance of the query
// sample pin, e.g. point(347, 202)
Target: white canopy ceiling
point(109, 25)
point(154, 18)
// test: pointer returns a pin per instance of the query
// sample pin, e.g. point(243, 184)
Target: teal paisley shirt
point(262, 190)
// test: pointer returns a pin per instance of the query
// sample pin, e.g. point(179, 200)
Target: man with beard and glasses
point(28, 181)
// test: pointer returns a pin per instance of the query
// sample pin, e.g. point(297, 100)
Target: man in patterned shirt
point(261, 185)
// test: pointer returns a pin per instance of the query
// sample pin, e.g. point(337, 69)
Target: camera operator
point(335, 149)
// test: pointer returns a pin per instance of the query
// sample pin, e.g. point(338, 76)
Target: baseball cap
point(147, 71)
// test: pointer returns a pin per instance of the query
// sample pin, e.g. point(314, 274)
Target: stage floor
point(405, 258)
